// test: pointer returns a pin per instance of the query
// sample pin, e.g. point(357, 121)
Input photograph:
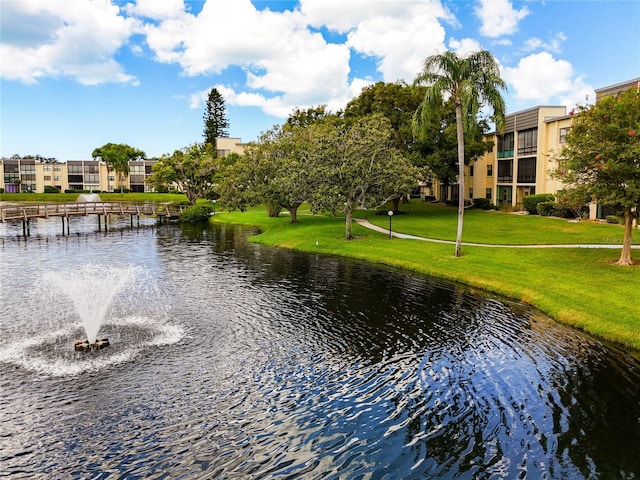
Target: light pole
point(214, 206)
point(390, 213)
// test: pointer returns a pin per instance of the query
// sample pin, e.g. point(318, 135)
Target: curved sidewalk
point(365, 223)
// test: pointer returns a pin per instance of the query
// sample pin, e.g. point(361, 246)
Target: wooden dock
point(25, 212)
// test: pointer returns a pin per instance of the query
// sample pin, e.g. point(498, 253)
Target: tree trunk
point(348, 217)
point(460, 136)
point(396, 205)
point(191, 196)
point(293, 213)
point(625, 256)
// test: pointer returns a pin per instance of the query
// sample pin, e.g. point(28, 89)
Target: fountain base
point(85, 346)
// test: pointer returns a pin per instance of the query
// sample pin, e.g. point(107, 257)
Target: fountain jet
point(92, 290)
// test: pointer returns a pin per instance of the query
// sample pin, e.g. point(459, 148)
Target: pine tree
point(215, 120)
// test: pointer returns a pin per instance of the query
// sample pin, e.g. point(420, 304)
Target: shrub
point(564, 211)
point(546, 209)
point(615, 219)
point(183, 202)
point(196, 213)
point(429, 198)
point(50, 189)
point(530, 202)
point(162, 189)
point(483, 203)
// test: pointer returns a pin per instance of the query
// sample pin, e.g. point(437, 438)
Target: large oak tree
point(193, 169)
point(357, 166)
point(601, 158)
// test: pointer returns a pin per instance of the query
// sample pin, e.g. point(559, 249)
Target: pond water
point(234, 361)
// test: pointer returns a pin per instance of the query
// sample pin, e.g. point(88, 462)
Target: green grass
point(481, 226)
point(576, 286)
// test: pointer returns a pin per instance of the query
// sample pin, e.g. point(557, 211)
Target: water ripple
point(272, 364)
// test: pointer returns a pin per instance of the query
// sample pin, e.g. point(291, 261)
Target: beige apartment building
point(35, 174)
point(523, 157)
point(521, 160)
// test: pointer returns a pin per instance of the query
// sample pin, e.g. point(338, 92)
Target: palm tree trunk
point(460, 137)
point(625, 256)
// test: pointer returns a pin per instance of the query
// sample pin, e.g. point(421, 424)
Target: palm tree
point(469, 82)
point(117, 157)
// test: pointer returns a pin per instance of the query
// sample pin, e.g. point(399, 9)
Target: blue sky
point(76, 74)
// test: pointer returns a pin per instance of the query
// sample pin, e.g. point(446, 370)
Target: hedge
point(530, 202)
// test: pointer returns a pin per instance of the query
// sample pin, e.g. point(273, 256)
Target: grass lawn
point(577, 286)
point(481, 226)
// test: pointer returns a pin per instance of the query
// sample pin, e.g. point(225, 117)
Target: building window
point(56, 168)
point(489, 170)
point(471, 193)
point(527, 170)
point(47, 178)
point(505, 145)
point(56, 178)
point(505, 171)
point(528, 141)
point(46, 168)
point(488, 194)
point(471, 169)
point(563, 134)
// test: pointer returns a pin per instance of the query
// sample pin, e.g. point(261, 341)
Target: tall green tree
point(117, 156)
point(272, 171)
point(397, 102)
point(439, 143)
point(275, 169)
point(356, 166)
point(216, 123)
point(470, 82)
point(601, 158)
point(193, 169)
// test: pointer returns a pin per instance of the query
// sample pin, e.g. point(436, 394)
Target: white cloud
point(156, 10)
point(286, 64)
point(540, 78)
point(554, 45)
point(465, 46)
point(498, 17)
point(78, 40)
point(400, 42)
point(344, 16)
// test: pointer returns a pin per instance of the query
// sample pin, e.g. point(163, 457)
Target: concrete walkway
point(365, 223)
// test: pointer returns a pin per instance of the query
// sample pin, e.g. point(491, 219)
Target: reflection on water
point(302, 366)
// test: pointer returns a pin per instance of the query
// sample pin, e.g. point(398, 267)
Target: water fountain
point(88, 197)
point(120, 307)
point(92, 290)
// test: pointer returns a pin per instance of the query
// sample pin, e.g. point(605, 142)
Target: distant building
point(35, 174)
point(229, 145)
